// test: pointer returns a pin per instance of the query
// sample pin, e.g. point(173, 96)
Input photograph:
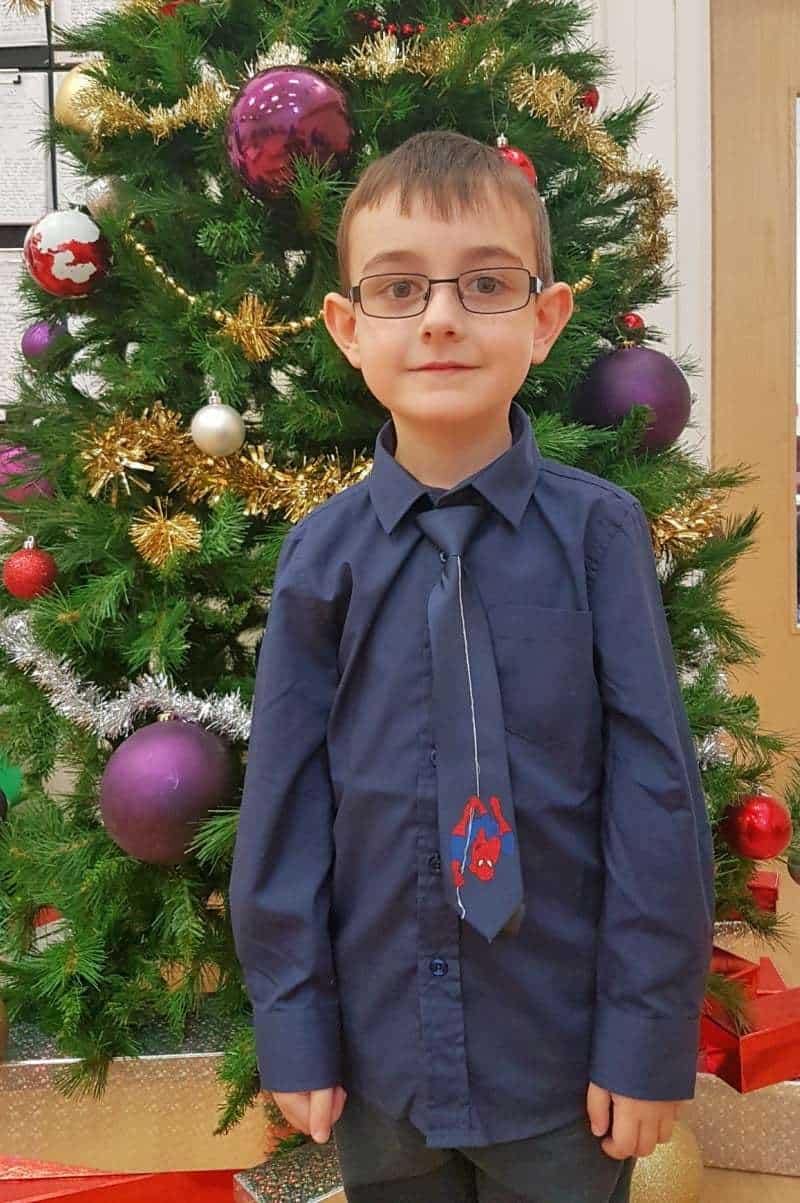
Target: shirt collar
point(507, 482)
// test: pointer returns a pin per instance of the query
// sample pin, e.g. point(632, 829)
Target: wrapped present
point(763, 885)
point(768, 980)
point(737, 968)
point(307, 1174)
point(158, 1111)
point(767, 1054)
point(211, 1186)
point(755, 1132)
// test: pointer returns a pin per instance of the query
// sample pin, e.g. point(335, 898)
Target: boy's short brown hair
point(445, 168)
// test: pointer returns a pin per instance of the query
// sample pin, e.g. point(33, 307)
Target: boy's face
point(497, 349)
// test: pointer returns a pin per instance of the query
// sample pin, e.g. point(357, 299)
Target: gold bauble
point(67, 104)
point(3, 1029)
point(673, 1171)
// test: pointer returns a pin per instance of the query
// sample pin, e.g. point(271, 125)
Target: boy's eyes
point(478, 281)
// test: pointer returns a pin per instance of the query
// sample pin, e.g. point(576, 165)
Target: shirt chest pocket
point(545, 667)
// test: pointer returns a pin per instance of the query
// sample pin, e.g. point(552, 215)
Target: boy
point(458, 1062)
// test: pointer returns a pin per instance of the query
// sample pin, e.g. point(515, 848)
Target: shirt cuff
point(299, 1049)
point(644, 1056)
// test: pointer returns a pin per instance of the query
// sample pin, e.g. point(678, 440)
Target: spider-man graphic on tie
point(485, 836)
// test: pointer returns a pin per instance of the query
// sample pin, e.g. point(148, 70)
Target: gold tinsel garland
point(128, 444)
point(554, 97)
point(112, 454)
point(683, 529)
point(157, 536)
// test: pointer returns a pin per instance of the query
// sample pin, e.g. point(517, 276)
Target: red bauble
point(518, 157)
point(633, 322)
point(65, 253)
point(758, 826)
point(590, 98)
point(29, 572)
point(168, 9)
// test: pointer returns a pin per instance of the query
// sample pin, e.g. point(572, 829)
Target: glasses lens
point(393, 295)
point(495, 289)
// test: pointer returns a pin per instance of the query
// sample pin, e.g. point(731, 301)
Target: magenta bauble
point(42, 338)
point(635, 376)
point(16, 461)
point(65, 253)
point(160, 784)
point(280, 113)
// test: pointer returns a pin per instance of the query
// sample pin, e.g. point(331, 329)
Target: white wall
point(662, 46)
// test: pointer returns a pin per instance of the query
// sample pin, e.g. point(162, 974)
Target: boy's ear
point(340, 319)
point(553, 309)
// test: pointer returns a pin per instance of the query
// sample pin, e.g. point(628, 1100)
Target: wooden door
point(755, 85)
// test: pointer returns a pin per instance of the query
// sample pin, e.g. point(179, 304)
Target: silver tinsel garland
point(109, 717)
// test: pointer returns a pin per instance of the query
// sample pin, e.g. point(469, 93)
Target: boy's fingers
point(598, 1104)
point(624, 1137)
point(319, 1114)
point(294, 1107)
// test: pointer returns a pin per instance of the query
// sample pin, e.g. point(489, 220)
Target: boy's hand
point(313, 1112)
point(639, 1124)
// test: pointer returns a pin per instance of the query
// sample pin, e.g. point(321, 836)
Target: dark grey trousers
point(383, 1160)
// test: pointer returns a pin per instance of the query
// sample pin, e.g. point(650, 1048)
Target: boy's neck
point(443, 455)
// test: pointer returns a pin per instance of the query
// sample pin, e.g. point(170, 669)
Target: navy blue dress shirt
point(358, 971)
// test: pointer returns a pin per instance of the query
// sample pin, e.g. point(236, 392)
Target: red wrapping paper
point(763, 885)
point(767, 1054)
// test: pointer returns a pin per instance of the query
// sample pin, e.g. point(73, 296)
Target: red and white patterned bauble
point(518, 157)
point(29, 572)
point(65, 253)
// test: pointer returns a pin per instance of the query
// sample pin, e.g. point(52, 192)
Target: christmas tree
point(144, 516)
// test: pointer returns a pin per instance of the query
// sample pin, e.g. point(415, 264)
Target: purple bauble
point(159, 784)
point(43, 337)
point(635, 376)
point(281, 112)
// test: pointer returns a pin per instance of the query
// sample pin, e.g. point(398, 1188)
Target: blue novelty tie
point(477, 826)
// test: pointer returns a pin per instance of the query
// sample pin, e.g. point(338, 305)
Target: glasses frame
point(354, 292)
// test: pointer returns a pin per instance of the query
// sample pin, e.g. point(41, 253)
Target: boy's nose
point(444, 304)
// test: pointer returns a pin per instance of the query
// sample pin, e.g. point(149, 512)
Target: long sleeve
point(280, 878)
point(657, 919)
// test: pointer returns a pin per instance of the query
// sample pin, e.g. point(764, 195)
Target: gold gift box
point(157, 1113)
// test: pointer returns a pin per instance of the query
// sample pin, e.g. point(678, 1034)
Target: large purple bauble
point(281, 112)
point(159, 784)
point(635, 376)
point(42, 337)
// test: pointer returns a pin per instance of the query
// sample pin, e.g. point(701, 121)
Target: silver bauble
point(105, 195)
point(218, 429)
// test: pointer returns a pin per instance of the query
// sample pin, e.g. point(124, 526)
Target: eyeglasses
point(483, 290)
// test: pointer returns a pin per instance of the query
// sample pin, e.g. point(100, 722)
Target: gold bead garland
point(250, 326)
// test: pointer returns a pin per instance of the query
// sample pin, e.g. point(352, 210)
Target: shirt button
point(438, 966)
point(435, 862)
point(433, 756)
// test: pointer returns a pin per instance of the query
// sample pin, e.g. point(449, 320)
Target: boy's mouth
point(446, 366)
